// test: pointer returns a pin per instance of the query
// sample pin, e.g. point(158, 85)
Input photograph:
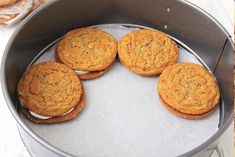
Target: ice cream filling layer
point(45, 117)
point(80, 72)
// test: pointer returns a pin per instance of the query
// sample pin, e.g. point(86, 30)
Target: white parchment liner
point(124, 117)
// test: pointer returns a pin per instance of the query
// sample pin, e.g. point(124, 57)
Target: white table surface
point(11, 144)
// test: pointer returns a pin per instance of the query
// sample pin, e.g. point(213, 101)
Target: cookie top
point(147, 52)
point(189, 88)
point(49, 89)
point(87, 49)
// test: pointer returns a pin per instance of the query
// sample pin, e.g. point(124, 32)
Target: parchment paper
point(124, 117)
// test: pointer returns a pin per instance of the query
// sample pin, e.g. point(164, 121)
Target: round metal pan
point(180, 19)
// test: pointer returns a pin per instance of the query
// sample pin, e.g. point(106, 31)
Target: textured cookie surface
point(87, 49)
point(188, 88)
point(49, 89)
point(147, 52)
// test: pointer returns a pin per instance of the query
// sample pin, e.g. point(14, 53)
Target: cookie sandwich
point(50, 92)
point(188, 90)
point(147, 52)
point(89, 51)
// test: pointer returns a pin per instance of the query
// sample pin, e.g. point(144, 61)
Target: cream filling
point(38, 115)
point(45, 117)
point(80, 72)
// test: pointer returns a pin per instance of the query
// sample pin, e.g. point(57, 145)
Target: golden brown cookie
point(147, 52)
point(71, 115)
point(188, 90)
point(87, 49)
point(6, 2)
point(49, 89)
